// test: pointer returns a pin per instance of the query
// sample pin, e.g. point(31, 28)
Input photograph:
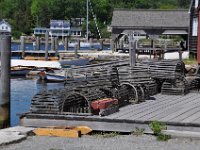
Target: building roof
point(5, 22)
point(150, 18)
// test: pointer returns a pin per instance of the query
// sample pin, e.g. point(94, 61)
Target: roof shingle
point(150, 18)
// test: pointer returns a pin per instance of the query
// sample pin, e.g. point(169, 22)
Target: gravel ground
point(119, 142)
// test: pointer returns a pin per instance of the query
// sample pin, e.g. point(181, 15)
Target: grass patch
point(138, 131)
point(157, 128)
point(105, 134)
point(190, 61)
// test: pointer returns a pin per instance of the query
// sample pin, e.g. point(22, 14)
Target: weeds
point(105, 134)
point(157, 128)
point(138, 131)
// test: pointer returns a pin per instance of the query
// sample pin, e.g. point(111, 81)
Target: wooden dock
point(178, 112)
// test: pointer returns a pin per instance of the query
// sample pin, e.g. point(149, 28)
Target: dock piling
point(22, 46)
point(52, 44)
point(46, 45)
point(37, 46)
point(56, 45)
point(66, 43)
point(5, 41)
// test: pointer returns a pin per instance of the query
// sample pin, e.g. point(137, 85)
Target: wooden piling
point(22, 46)
point(76, 50)
point(56, 45)
point(101, 44)
point(46, 45)
point(5, 41)
point(52, 44)
point(37, 46)
point(79, 44)
point(132, 48)
point(66, 43)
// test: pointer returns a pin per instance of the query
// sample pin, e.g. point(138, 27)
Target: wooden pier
point(180, 112)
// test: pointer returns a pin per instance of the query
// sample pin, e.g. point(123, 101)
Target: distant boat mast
point(87, 22)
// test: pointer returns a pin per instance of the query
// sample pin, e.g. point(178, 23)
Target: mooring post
point(46, 45)
point(37, 46)
point(22, 46)
point(180, 54)
point(132, 47)
point(101, 44)
point(66, 43)
point(76, 50)
point(78, 44)
point(52, 44)
point(5, 42)
point(56, 44)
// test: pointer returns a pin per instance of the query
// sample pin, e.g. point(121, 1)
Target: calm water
point(22, 91)
point(29, 46)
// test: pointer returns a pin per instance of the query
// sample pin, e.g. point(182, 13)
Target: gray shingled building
point(150, 22)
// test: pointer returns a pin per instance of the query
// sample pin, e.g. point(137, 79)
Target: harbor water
point(29, 46)
point(22, 91)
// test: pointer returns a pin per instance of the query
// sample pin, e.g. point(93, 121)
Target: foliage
point(24, 15)
point(157, 128)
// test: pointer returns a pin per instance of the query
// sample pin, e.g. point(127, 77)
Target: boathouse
point(149, 22)
point(195, 29)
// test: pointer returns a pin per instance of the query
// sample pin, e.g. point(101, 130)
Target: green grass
point(157, 128)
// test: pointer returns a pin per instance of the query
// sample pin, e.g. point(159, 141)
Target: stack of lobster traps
point(103, 89)
point(170, 76)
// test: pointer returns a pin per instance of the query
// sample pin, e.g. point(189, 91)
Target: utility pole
point(5, 42)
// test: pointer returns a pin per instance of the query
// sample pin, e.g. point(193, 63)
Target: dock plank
point(135, 108)
point(170, 109)
point(149, 109)
point(158, 108)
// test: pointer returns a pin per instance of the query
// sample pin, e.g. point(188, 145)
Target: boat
point(20, 70)
point(59, 76)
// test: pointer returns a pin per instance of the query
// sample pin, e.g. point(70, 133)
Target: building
point(149, 22)
point(5, 27)
point(60, 28)
point(195, 29)
point(40, 30)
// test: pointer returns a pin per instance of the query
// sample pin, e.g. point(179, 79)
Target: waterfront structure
point(61, 28)
point(149, 22)
point(5, 27)
point(195, 29)
point(40, 31)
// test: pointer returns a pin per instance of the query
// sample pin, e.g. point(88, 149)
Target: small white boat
point(82, 44)
point(59, 76)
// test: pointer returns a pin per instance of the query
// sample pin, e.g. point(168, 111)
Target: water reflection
point(22, 91)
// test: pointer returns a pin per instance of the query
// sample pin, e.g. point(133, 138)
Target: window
point(2, 27)
point(196, 3)
point(195, 27)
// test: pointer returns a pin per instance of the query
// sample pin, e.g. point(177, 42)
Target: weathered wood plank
point(159, 108)
point(170, 109)
point(137, 107)
point(149, 108)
